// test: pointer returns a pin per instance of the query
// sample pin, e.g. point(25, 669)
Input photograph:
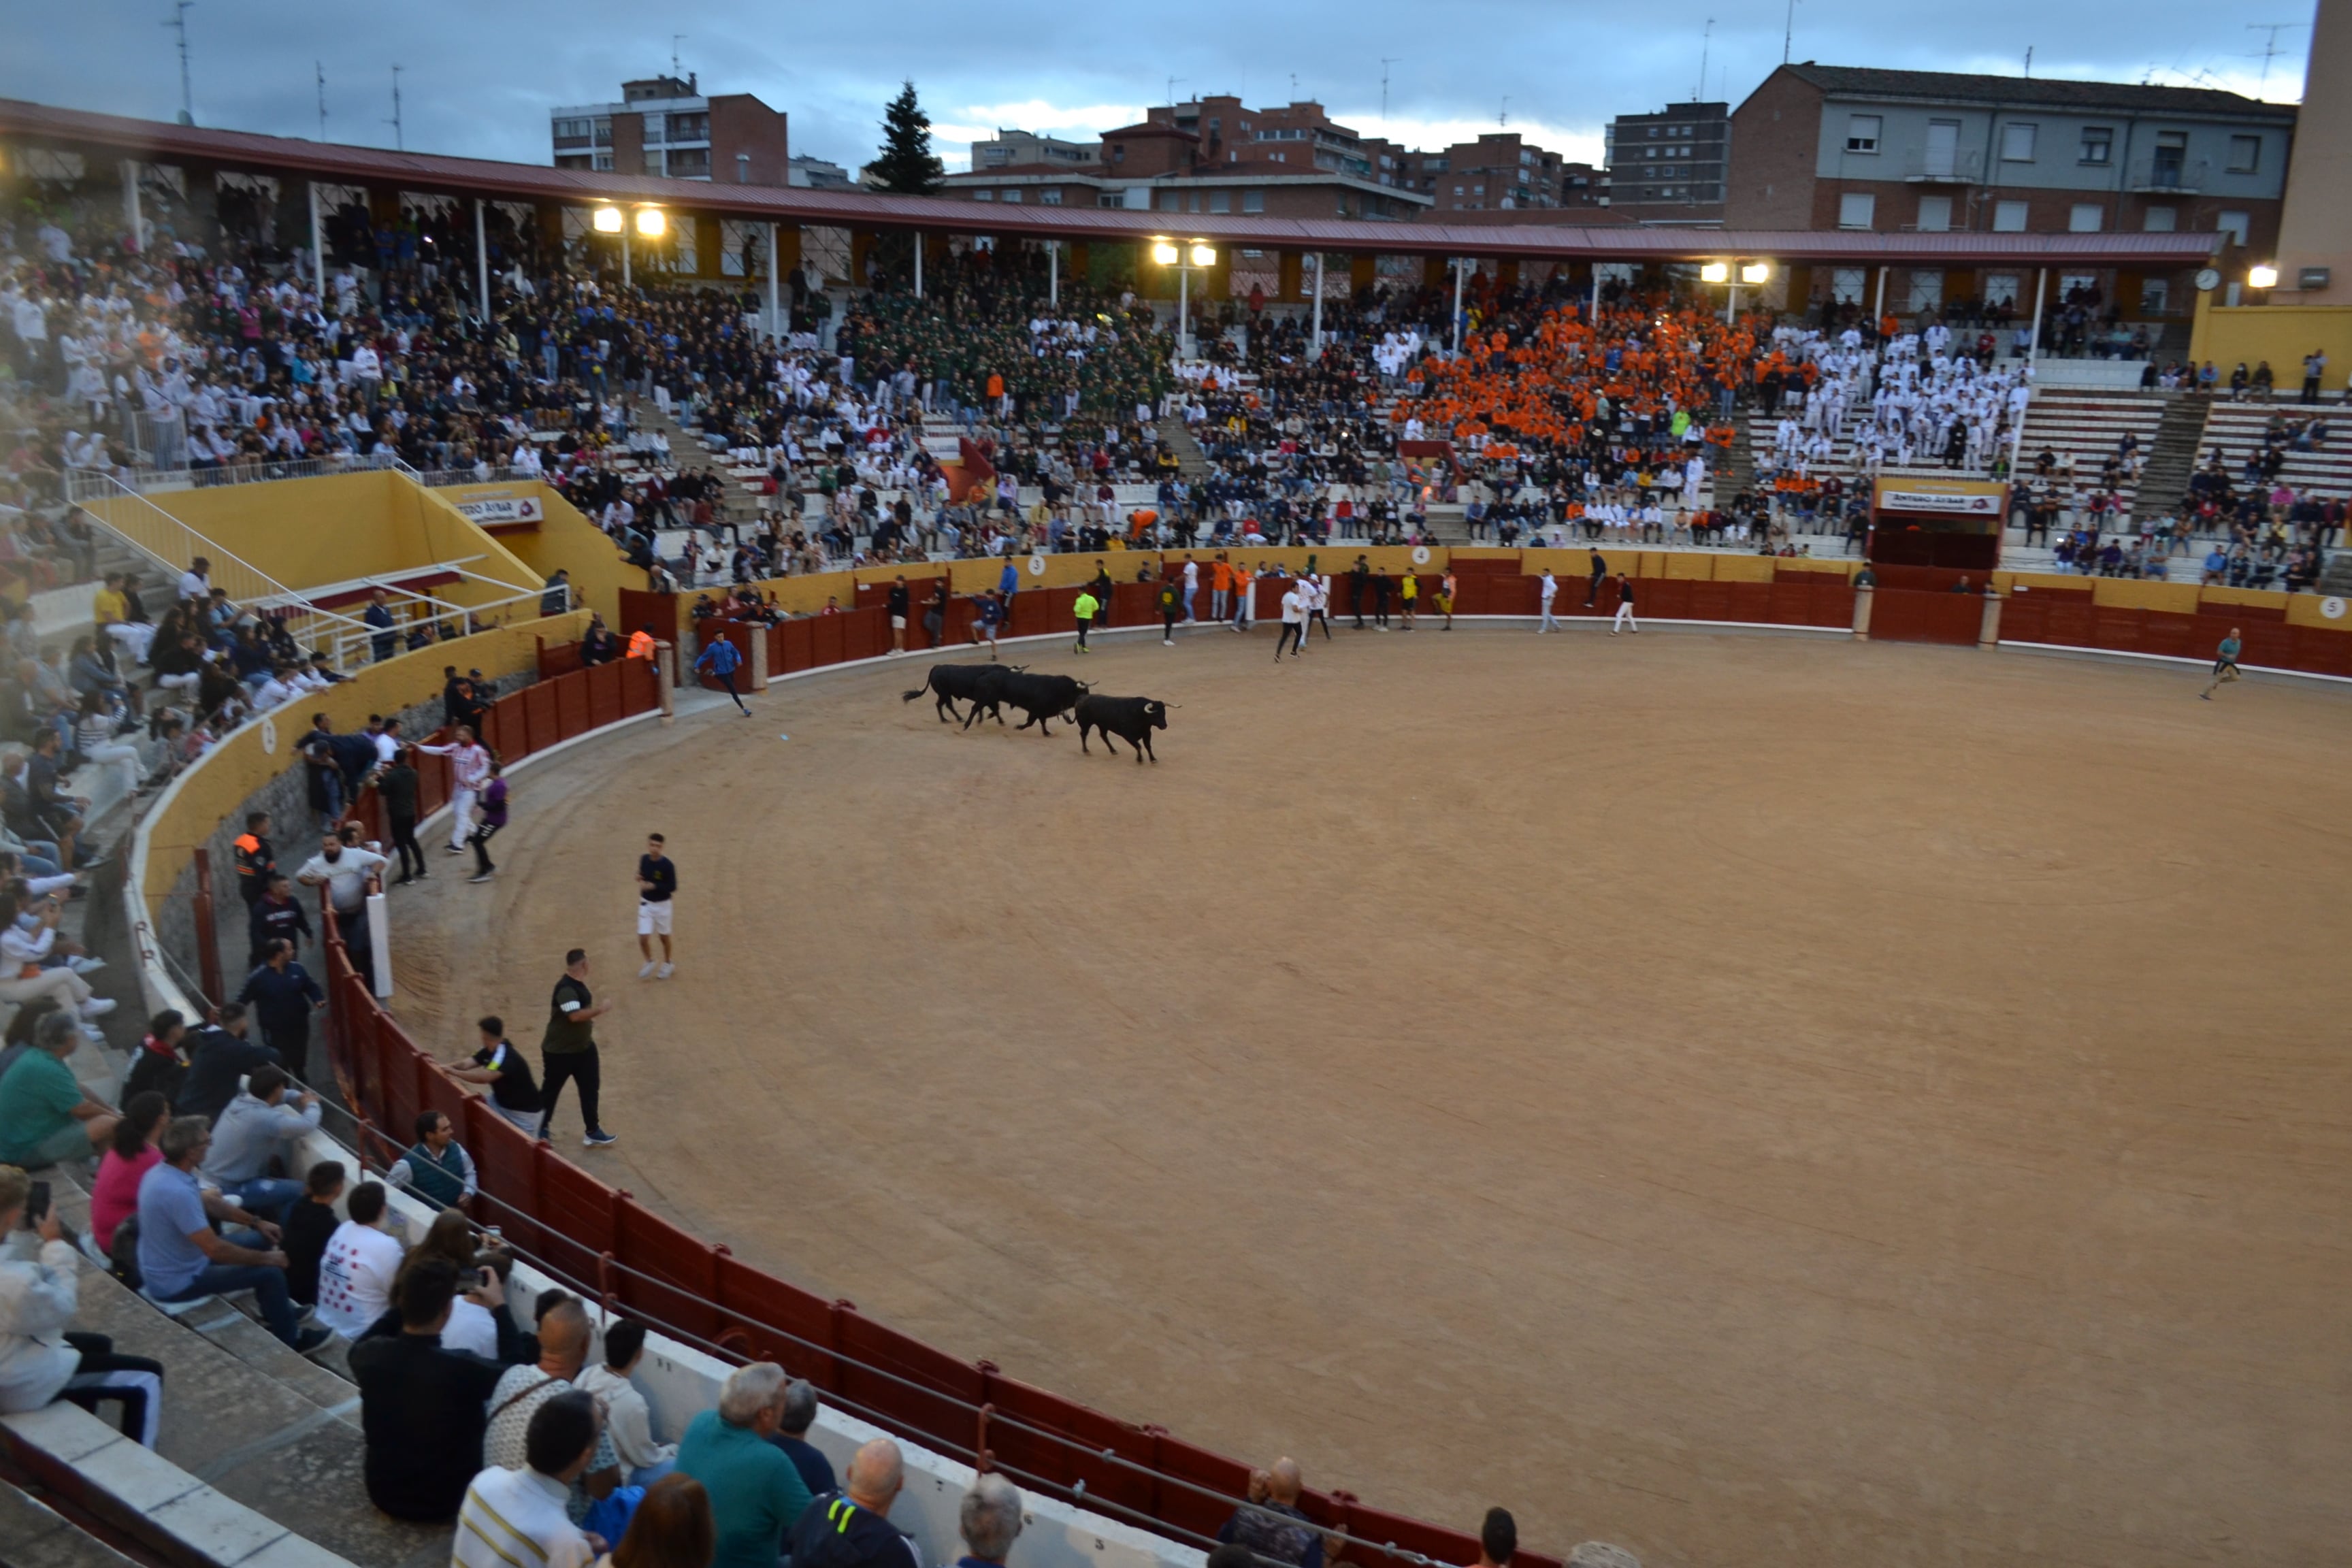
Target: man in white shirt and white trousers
point(1545, 593)
point(470, 761)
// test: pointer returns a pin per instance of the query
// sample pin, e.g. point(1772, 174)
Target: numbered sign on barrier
point(1036, 566)
point(2332, 608)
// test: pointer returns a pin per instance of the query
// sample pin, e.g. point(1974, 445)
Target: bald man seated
point(1273, 1526)
point(851, 1528)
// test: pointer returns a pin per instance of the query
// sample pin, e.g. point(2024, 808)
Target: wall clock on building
point(2208, 279)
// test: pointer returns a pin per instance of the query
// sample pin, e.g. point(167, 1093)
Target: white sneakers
point(97, 1007)
point(666, 970)
point(647, 971)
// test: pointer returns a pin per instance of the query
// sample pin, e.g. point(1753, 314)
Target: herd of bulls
point(991, 688)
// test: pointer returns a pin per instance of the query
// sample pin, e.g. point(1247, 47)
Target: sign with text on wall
point(1971, 505)
point(492, 511)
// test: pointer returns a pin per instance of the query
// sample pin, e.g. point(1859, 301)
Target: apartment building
point(1500, 171)
point(1020, 149)
point(1820, 147)
point(668, 127)
point(1668, 168)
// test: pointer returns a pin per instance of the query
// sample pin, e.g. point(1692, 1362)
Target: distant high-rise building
point(1669, 167)
point(668, 127)
point(1012, 149)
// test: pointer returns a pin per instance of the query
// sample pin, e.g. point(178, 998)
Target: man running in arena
point(1294, 624)
point(1624, 606)
point(721, 660)
point(2225, 664)
point(1318, 606)
point(470, 761)
point(657, 885)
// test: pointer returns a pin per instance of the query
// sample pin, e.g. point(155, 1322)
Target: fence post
point(759, 640)
point(980, 1455)
point(668, 654)
point(208, 963)
point(1988, 629)
point(1862, 613)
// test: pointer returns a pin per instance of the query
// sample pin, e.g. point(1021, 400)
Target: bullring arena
point(1752, 1097)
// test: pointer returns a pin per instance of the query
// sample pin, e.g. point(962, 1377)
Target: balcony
point(2166, 176)
point(1942, 166)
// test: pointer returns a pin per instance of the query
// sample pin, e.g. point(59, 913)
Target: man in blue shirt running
point(721, 660)
point(2225, 663)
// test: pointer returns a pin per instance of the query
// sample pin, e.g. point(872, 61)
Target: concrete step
point(34, 1535)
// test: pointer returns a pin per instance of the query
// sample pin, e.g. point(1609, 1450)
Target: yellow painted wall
point(2282, 334)
point(229, 774)
point(566, 539)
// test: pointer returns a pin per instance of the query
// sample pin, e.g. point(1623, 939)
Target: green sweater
point(756, 1490)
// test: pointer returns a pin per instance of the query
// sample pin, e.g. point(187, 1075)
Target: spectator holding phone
point(41, 1359)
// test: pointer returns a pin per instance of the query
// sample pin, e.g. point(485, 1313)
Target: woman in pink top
point(115, 1197)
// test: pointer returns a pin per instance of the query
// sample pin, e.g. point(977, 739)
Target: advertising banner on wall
point(1971, 505)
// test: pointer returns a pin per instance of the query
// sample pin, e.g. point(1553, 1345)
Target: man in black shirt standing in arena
point(568, 1050)
point(899, 602)
point(656, 884)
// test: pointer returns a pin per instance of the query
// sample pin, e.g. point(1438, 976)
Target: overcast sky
point(480, 75)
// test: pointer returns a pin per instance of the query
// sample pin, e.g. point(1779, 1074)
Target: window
point(1221, 201)
point(1856, 208)
point(1049, 198)
point(1252, 201)
point(1457, 190)
point(2234, 224)
point(1477, 190)
point(1118, 152)
point(2086, 217)
point(1861, 132)
point(1171, 201)
point(1110, 198)
point(2099, 144)
point(689, 128)
point(2160, 220)
point(604, 163)
point(2009, 217)
point(2017, 144)
point(1935, 214)
point(1012, 197)
point(983, 195)
point(1927, 290)
point(2154, 296)
point(2245, 154)
point(1847, 283)
point(604, 134)
point(2000, 288)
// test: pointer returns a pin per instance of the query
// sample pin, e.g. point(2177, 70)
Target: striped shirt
point(515, 1518)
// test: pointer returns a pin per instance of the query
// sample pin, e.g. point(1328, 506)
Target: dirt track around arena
point(1754, 1099)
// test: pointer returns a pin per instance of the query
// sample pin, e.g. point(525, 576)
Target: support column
point(317, 249)
point(2033, 356)
point(482, 255)
point(1988, 629)
point(1878, 311)
point(1053, 272)
point(775, 282)
point(1315, 352)
point(919, 264)
point(758, 657)
point(1457, 304)
point(1593, 319)
point(627, 218)
point(131, 214)
point(1862, 613)
point(666, 652)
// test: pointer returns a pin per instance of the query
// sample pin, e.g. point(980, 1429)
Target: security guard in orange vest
point(256, 860)
point(641, 642)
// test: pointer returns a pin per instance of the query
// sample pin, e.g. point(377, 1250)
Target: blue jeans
point(267, 1285)
point(266, 1198)
point(1188, 603)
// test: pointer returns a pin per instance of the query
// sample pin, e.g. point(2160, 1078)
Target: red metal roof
point(157, 140)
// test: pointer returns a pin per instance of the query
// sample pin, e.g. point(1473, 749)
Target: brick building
point(1827, 147)
point(1019, 149)
point(668, 127)
point(1669, 167)
point(1500, 171)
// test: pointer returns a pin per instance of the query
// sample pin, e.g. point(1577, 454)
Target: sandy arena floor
point(1754, 1099)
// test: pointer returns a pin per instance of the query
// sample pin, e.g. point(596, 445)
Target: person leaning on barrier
point(989, 1521)
point(1273, 1527)
point(757, 1496)
point(422, 1407)
point(851, 1528)
point(437, 1168)
point(627, 1417)
point(220, 1058)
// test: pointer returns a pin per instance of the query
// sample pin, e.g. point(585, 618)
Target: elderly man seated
point(756, 1492)
point(989, 1521)
point(1272, 1524)
point(852, 1528)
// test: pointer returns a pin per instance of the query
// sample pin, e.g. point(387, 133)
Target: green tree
point(908, 166)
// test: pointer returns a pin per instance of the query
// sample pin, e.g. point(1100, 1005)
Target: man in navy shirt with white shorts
point(657, 885)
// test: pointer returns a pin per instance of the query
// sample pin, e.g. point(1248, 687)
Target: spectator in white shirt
point(628, 1420)
point(362, 1259)
point(196, 582)
point(516, 1518)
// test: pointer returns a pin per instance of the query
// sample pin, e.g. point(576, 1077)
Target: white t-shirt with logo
point(355, 1278)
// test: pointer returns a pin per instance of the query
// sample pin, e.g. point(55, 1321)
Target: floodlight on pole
point(607, 220)
point(1715, 272)
point(651, 224)
point(1203, 256)
point(2263, 277)
point(1755, 272)
point(1164, 253)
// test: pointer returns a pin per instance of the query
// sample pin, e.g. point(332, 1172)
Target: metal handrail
point(143, 479)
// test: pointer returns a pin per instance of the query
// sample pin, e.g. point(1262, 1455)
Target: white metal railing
point(354, 644)
point(79, 482)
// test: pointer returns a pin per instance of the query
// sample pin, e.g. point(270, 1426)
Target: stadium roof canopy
point(158, 141)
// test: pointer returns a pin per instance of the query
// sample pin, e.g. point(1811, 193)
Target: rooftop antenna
point(179, 23)
point(675, 39)
point(1705, 42)
point(1294, 86)
point(2270, 48)
point(1504, 117)
point(1789, 32)
point(320, 68)
point(1386, 61)
point(1172, 90)
point(2029, 60)
point(399, 140)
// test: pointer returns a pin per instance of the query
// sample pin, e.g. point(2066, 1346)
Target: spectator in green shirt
point(756, 1490)
point(45, 1117)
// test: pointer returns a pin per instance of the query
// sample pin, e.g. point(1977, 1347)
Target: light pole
point(1755, 274)
point(1198, 256)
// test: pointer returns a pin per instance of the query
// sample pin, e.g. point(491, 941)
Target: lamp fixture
point(1715, 272)
point(608, 220)
point(2263, 277)
point(1755, 272)
point(1202, 255)
point(651, 224)
point(1164, 253)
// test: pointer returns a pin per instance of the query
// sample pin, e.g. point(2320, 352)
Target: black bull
point(949, 682)
point(1130, 719)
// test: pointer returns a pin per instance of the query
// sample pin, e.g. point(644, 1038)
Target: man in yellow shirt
point(1083, 611)
point(109, 607)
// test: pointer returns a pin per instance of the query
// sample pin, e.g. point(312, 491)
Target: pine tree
point(908, 166)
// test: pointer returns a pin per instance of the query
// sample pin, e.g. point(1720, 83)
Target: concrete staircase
point(2171, 458)
point(738, 502)
point(1192, 465)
